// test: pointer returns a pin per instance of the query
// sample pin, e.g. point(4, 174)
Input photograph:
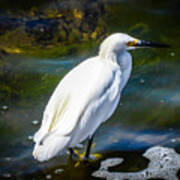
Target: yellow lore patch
point(132, 43)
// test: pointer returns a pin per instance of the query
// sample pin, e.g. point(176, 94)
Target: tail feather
point(51, 146)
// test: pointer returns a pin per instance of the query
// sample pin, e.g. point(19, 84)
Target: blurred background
point(40, 41)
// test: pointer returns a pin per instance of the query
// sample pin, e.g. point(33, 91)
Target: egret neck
point(124, 60)
point(119, 56)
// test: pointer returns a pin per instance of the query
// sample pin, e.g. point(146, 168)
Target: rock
point(62, 35)
point(9, 23)
point(75, 35)
point(43, 30)
point(85, 27)
point(56, 23)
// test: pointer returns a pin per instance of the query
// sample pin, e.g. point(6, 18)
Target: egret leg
point(88, 149)
point(71, 152)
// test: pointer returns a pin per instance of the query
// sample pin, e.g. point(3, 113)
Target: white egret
point(86, 97)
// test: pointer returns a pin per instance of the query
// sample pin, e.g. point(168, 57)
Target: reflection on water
point(49, 66)
point(37, 66)
point(130, 139)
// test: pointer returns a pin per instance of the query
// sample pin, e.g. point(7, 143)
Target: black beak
point(151, 44)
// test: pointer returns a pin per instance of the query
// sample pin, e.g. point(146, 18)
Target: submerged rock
point(164, 164)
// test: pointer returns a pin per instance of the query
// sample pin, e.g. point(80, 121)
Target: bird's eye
point(132, 43)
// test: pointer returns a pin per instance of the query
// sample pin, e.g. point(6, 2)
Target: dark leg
point(88, 148)
point(72, 153)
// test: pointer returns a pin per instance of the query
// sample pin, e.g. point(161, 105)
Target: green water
point(147, 115)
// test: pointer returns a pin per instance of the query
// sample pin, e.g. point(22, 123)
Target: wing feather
point(73, 95)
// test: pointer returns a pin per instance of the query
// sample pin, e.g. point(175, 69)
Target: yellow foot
point(82, 159)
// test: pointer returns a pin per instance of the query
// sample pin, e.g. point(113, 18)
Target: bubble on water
point(30, 137)
point(35, 122)
point(173, 140)
point(162, 101)
point(110, 163)
point(48, 176)
point(41, 29)
point(164, 163)
point(172, 54)
point(142, 81)
point(58, 171)
point(8, 158)
point(4, 107)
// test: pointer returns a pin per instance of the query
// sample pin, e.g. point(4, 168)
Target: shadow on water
point(147, 115)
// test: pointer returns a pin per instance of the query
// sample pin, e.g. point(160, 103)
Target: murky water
point(148, 114)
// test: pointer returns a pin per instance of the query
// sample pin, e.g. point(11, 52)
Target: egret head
point(119, 42)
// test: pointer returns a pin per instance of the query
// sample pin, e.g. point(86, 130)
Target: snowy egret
point(86, 97)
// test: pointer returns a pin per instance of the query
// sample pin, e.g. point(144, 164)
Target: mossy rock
point(75, 35)
point(63, 35)
point(56, 23)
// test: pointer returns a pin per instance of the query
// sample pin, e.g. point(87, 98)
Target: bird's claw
point(86, 161)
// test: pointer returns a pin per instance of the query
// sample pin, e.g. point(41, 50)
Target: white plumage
point(86, 97)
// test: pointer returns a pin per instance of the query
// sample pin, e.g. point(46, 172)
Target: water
point(148, 114)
